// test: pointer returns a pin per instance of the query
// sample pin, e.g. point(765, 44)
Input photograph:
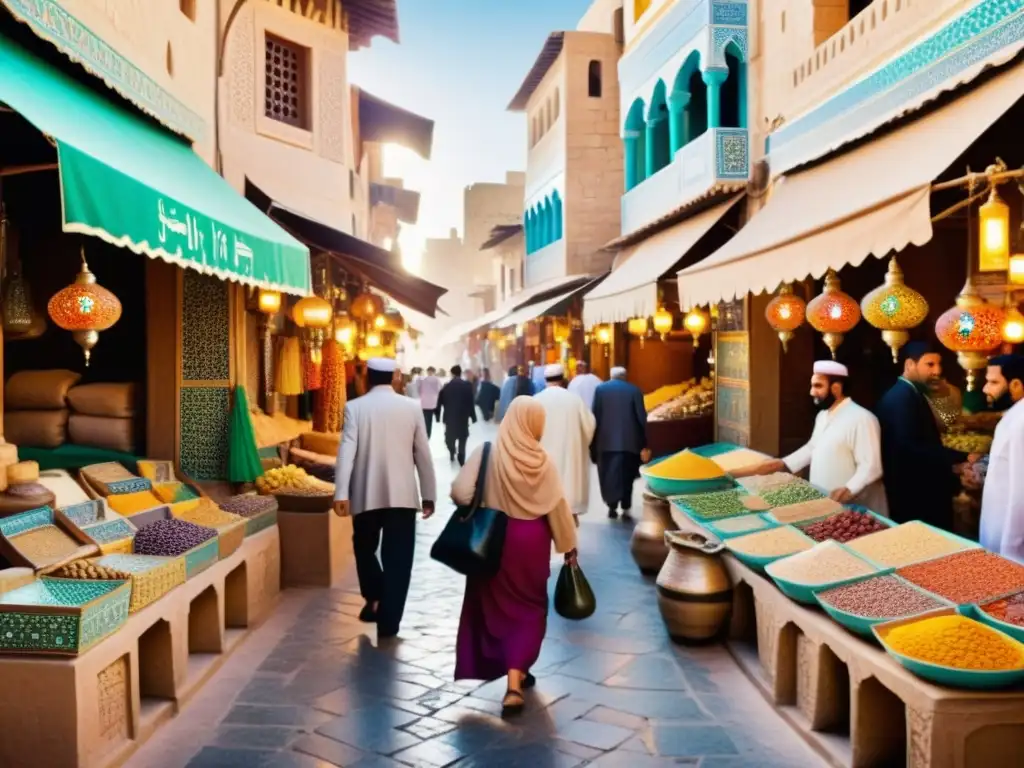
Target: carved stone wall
point(114, 689)
point(242, 68)
point(333, 89)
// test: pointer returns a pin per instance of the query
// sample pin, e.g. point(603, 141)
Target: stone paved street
point(310, 689)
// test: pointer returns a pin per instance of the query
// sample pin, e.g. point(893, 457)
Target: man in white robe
point(1002, 503)
point(845, 449)
point(584, 384)
point(568, 429)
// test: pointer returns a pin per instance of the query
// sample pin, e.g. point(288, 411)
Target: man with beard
point(1002, 505)
point(844, 452)
point(920, 474)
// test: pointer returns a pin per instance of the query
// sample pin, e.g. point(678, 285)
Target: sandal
point(529, 681)
point(513, 707)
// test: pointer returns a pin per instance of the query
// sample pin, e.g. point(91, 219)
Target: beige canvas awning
point(631, 290)
point(870, 201)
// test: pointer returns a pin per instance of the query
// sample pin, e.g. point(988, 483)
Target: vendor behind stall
point(844, 452)
point(1002, 505)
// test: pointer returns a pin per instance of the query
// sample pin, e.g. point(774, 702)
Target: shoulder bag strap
point(481, 479)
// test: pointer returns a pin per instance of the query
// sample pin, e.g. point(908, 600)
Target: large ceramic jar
point(647, 544)
point(694, 589)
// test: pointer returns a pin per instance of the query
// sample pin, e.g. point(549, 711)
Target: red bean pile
point(1010, 610)
point(883, 597)
point(249, 505)
point(170, 538)
point(967, 577)
point(845, 526)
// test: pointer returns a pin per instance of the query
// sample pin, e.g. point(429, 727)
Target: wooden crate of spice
point(151, 577)
point(200, 557)
point(111, 532)
point(42, 539)
point(62, 616)
point(230, 528)
point(260, 512)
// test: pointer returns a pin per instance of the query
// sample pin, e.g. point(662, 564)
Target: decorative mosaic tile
point(721, 37)
point(205, 328)
point(38, 632)
point(135, 485)
point(26, 521)
point(65, 593)
point(105, 618)
point(202, 557)
point(86, 513)
point(204, 432)
point(110, 531)
point(729, 13)
point(732, 153)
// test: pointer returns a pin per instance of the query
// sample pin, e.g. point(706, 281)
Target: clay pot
point(647, 544)
point(694, 590)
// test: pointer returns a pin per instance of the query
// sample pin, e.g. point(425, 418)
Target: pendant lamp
point(637, 326)
point(833, 313)
point(696, 322)
point(972, 328)
point(785, 313)
point(85, 308)
point(894, 308)
point(663, 321)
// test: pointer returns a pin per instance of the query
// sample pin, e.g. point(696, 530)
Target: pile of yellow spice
point(957, 642)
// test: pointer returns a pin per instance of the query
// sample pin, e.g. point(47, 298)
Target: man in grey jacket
point(383, 444)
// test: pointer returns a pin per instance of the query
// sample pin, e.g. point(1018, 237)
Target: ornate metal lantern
point(972, 329)
point(785, 313)
point(663, 321)
point(894, 308)
point(833, 313)
point(696, 322)
point(637, 326)
point(85, 308)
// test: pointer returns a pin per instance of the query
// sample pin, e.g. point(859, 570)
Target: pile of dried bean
point(824, 563)
point(170, 538)
point(906, 544)
point(883, 597)
point(249, 505)
point(968, 577)
point(846, 526)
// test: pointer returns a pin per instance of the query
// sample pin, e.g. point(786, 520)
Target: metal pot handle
point(695, 541)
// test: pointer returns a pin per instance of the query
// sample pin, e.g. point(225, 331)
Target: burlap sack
point(110, 400)
point(36, 429)
point(39, 390)
point(102, 432)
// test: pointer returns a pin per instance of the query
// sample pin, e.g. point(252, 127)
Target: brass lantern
point(85, 308)
point(894, 308)
point(269, 302)
point(1013, 324)
point(696, 322)
point(663, 321)
point(560, 330)
point(785, 313)
point(366, 306)
point(972, 328)
point(637, 326)
point(312, 312)
point(994, 234)
point(833, 313)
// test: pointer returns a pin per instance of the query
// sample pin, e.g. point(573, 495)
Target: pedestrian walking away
point(569, 430)
point(620, 440)
point(429, 388)
point(383, 447)
point(455, 407)
point(504, 618)
point(584, 384)
point(487, 395)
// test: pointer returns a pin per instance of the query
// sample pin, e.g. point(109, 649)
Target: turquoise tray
point(679, 502)
point(968, 545)
point(666, 487)
point(760, 562)
point(856, 508)
point(715, 449)
point(862, 625)
point(713, 528)
point(804, 593)
point(974, 679)
point(198, 559)
point(974, 611)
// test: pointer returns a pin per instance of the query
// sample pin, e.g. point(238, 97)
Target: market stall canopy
point(129, 182)
point(500, 234)
point(381, 268)
point(383, 122)
point(547, 304)
point(366, 19)
point(631, 290)
point(870, 201)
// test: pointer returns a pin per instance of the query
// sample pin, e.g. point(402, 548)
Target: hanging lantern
point(604, 334)
point(663, 321)
point(312, 312)
point(495, 334)
point(366, 306)
point(894, 308)
point(269, 302)
point(785, 313)
point(637, 326)
point(379, 322)
point(696, 322)
point(85, 308)
point(560, 330)
point(1017, 268)
point(1013, 325)
point(833, 313)
point(373, 339)
point(994, 234)
point(972, 328)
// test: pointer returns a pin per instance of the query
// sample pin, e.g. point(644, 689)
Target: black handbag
point(474, 537)
point(574, 599)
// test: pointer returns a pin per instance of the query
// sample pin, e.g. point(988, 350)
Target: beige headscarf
point(528, 477)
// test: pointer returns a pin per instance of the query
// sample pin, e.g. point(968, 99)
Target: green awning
point(135, 185)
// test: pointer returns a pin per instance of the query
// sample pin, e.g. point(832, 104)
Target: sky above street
point(460, 62)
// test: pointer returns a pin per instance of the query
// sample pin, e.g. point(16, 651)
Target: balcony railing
point(718, 156)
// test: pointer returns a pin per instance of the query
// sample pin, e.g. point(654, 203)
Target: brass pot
point(647, 544)
point(694, 590)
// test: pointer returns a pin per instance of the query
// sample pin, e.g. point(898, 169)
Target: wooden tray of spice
point(111, 532)
point(43, 539)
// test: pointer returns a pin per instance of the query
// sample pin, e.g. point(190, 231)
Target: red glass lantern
point(85, 308)
point(972, 329)
point(833, 313)
point(785, 313)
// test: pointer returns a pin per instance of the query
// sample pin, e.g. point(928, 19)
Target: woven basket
point(230, 528)
point(151, 577)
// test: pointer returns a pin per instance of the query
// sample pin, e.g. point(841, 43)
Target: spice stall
point(884, 643)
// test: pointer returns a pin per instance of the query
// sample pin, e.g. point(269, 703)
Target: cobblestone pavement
point(310, 689)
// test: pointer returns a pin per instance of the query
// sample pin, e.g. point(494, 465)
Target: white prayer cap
point(618, 372)
point(554, 371)
point(831, 368)
point(381, 364)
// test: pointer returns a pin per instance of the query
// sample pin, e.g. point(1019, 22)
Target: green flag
point(243, 458)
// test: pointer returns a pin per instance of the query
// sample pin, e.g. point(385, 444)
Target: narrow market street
point(309, 689)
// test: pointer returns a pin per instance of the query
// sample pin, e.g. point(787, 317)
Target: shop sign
point(202, 240)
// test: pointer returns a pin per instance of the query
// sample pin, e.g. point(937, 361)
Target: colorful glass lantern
point(560, 330)
point(993, 234)
point(637, 326)
point(972, 329)
point(344, 330)
point(603, 334)
point(85, 308)
point(1013, 326)
point(696, 322)
point(833, 313)
point(663, 321)
point(269, 302)
point(366, 306)
point(785, 313)
point(894, 308)
point(312, 312)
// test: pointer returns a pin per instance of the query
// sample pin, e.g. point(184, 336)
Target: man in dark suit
point(920, 474)
point(456, 409)
point(620, 440)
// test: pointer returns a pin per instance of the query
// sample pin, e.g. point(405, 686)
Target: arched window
point(528, 230)
point(690, 82)
point(594, 79)
point(558, 103)
point(734, 88)
point(657, 150)
point(556, 205)
point(550, 113)
point(636, 137)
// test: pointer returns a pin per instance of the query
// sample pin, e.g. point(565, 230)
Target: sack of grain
point(102, 432)
point(103, 399)
point(39, 390)
point(38, 429)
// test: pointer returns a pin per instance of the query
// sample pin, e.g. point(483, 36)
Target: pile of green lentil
point(714, 505)
point(792, 493)
point(883, 597)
